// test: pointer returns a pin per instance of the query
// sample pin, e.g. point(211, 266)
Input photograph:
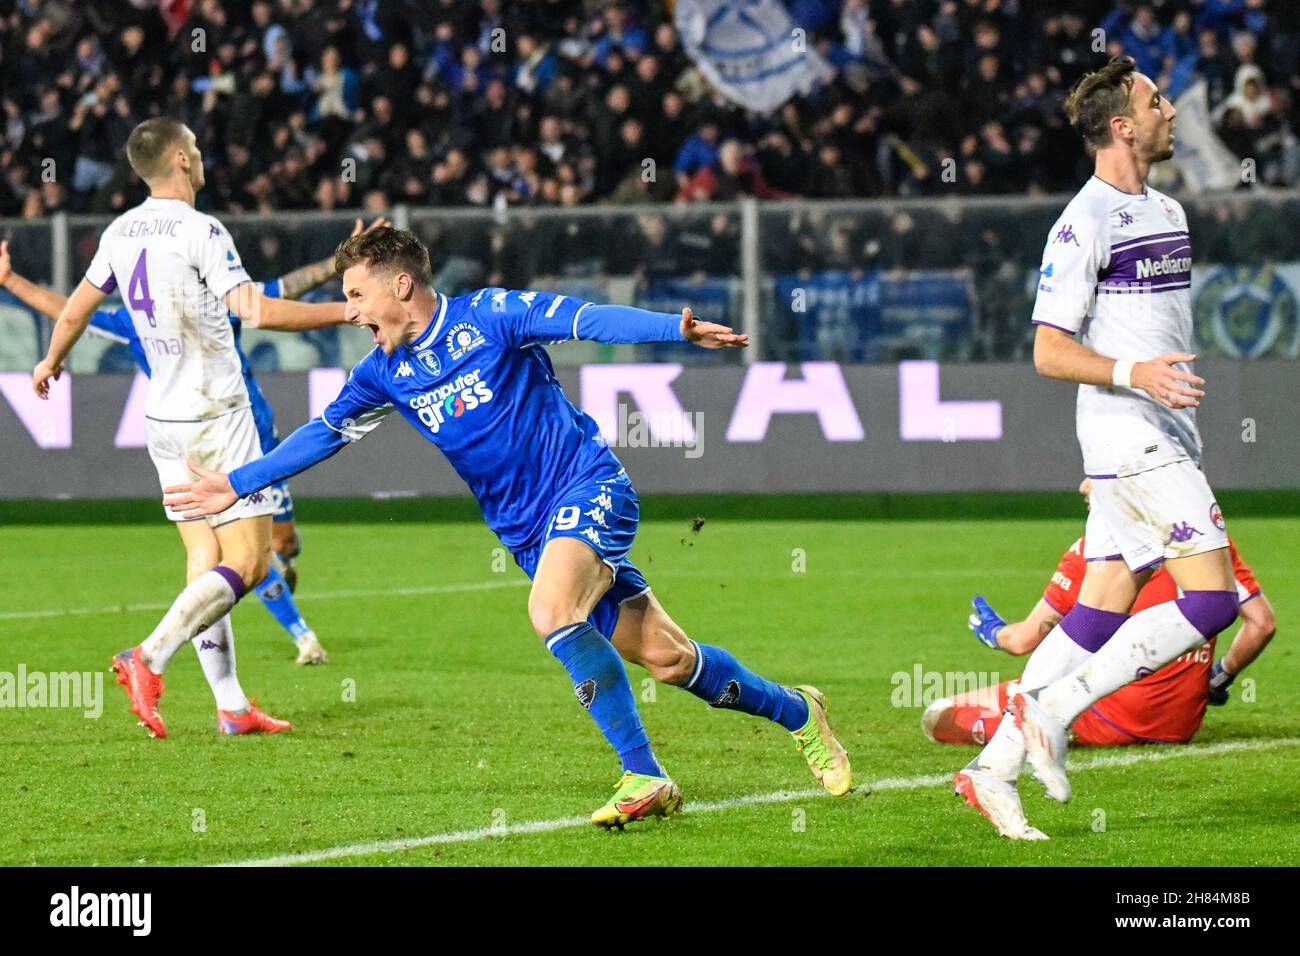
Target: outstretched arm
point(356, 412)
point(530, 318)
point(1018, 637)
point(1258, 625)
point(1021, 637)
point(72, 322)
point(260, 311)
point(43, 300)
point(215, 491)
point(623, 324)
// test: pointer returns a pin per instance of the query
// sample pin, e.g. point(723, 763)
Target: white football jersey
point(1118, 268)
point(174, 266)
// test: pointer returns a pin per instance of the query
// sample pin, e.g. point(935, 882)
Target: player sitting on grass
point(1165, 707)
point(276, 589)
point(181, 278)
point(470, 374)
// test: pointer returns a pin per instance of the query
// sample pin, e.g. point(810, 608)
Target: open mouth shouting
point(372, 327)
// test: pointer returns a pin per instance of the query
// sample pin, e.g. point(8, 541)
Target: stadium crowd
point(560, 102)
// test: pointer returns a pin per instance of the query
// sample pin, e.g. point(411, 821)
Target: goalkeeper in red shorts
point(1164, 707)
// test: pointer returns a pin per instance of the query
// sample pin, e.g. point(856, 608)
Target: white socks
point(1146, 642)
point(216, 649)
point(204, 600)
point(1055, 657)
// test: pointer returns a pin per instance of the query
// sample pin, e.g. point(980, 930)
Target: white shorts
point(222, 444)
point(1164, 512)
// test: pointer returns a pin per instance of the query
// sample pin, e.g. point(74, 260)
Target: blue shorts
point(603, 515)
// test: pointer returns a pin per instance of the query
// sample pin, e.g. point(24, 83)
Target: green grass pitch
point(441, 718)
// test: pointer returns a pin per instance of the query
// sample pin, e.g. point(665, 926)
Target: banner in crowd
point(750, 50)
point(878, 316)
point(1200, 157)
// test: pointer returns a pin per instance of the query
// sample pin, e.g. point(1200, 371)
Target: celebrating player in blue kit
point(471, 375)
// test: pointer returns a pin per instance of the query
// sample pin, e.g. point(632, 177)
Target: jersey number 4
point(137, 291)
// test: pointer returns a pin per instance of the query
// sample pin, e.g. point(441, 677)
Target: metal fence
point(870, 281)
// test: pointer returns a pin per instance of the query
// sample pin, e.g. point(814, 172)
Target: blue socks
point(601, 686)
point(722, 681)
point(274, 592)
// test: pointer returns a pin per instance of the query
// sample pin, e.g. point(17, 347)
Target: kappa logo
point(256, 498)
point(404, 370)
point(1183, 533)
point(463, 337)
point(207, 645)
point(585, 692)
point(429, 359)
point(1066, 235)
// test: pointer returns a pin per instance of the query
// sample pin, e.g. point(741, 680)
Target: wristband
point(1122, 374)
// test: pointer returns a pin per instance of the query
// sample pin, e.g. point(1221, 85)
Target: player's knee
point(668, 655)
point(200, 559)
point(1209, 611)
point(252, 569)
point(284, 539)
point(548, 616)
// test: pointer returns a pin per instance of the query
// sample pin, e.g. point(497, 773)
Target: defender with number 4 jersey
point(174, 266)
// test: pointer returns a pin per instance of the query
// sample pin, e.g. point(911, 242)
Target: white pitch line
point(326, 596)
point(1143, 755)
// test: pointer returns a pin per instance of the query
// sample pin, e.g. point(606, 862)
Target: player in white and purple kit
point(181, 279)
point(276, 589)
point(471, 375)
point(1116, 272)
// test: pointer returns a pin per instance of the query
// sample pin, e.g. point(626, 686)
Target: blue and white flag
point(1201, 158)
point(750, 50)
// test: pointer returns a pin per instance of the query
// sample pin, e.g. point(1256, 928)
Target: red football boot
point(143, 688)
point(252, 721)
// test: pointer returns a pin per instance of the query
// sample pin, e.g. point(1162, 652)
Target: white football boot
point(310, 651)
point(1046, 743)
point(998, 800)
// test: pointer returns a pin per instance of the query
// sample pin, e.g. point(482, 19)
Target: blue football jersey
point(479, 384)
